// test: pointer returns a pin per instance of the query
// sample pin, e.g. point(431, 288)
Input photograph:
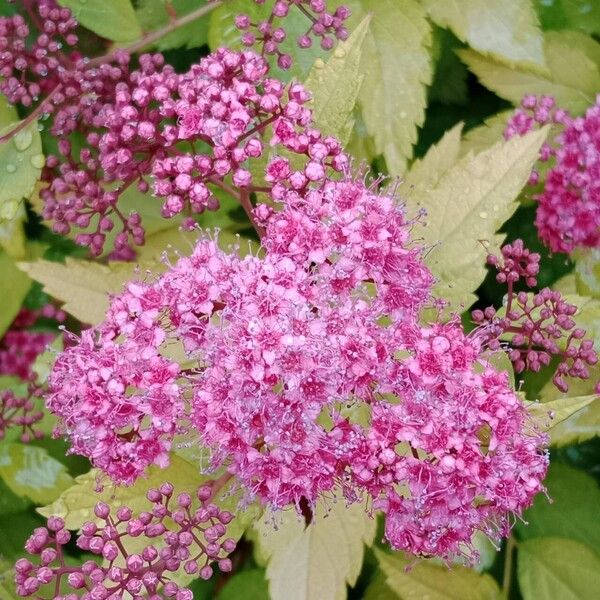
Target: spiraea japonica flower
point(568, 213)
point(290, 350)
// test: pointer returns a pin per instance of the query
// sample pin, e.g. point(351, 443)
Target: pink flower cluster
point(291, 349)
point(178, 532)
point(540, 325)
point(328, 26)
point(20, 345)
point(568, 214)
point(225, 110)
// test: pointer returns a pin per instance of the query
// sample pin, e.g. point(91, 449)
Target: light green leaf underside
point(574, 78)
point(335, 84)
point(557, 569)
point(434, 582)
point(466, 207)
point(111, 19)
point(314, 562)
point(397, 67)
point(30, 471)
point(507, 29)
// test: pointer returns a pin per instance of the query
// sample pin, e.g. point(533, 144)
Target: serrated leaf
point(569, 511)
point(76, 504)
point(551, 568)
point(426, 172)
point(82, 285)
point(152, 14)
point(434, 582)
point(574, 78)
point(21, 162)
point(397, 67)
point(507, 29)
point(111, 19)
point(484, 136)
point(30, 471)
point(314, 562)
point(465, 209)
point(335, 84)
point(581, 426)
point(551, 414)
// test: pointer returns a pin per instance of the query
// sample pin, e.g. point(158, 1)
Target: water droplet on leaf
point(11, 168)
point(483, 214)
point(38, 161)
point(23, 140)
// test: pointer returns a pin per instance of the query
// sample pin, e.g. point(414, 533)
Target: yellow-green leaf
point(30, 471)
point(579, 427)
point(557, 569)
point(486, 135)
point(506, 29)
point(314, 562)
point(82, 285)
point(335, 84)
point(111, 19)
point(397, 67)
point(21, 161)
point(550, 414)
point(465, 209)
point(440, 157)
point(13, 293)
point(574, 78)
point(434, 582)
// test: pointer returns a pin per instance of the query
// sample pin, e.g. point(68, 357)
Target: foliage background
point(421, 91)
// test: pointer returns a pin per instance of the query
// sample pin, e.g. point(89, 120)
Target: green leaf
point(7, 584)
point(434, 582)
point(553, 413)
point(465, 209)
point(13, 295)
point(21, 162)
point(152, 14)
point(571, 512)
point(378, 589)
point(574, 78)
point(552, 568)
point(314, 562)
point(335, 85)
point(30, 471)
point(11, 502)
point(397, 67)
point(569, 14)
point(223, 32)
point(111, 19)
point(587, 272)
point(82, 285)
point(506, 29)
point(426, 172)
point(449, 85)
point(246, 585)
